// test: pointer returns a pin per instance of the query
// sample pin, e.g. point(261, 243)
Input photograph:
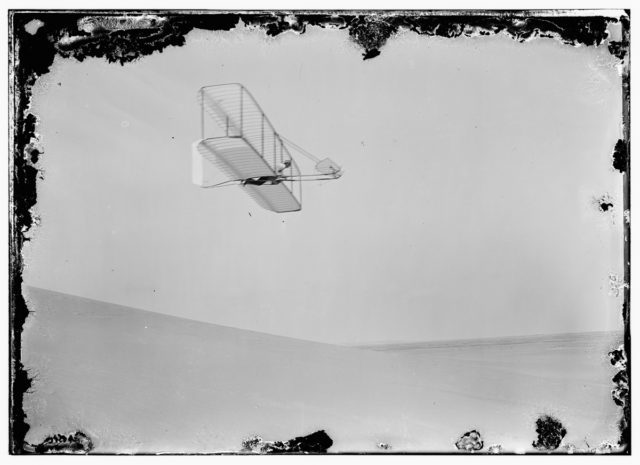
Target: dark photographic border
point(122, 36)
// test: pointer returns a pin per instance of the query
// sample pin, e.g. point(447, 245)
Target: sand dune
point(138, 381)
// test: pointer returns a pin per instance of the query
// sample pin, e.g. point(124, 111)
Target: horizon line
point(371, 345)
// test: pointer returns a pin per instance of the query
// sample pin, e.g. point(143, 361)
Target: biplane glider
point(244, 149)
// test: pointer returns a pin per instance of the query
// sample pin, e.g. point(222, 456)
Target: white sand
point(139, 381)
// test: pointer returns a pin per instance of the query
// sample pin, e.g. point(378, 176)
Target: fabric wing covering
point(239, 161)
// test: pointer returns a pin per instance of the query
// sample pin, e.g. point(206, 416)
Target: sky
point(467, 207)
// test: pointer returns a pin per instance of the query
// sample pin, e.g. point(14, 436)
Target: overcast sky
point(466, 209)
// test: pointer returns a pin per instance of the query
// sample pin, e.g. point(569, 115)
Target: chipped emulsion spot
point(604, 448)
point(32, 26)
point(75, 443)
point(38, 36)
point(605, 204)
point(495, 449)
point(616, 285)
point(550, 433)
point(620, 156)
point(621, 390)
point(371, 33)
point(314, 443)
point(618, 43)
point(470, 441)
point(98, 24)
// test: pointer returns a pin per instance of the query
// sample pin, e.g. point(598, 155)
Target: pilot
point(262, 180)
point(269, 179)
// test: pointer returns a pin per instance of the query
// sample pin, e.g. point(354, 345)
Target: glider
point(245, 150)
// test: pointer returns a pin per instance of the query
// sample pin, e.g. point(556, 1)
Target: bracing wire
point(300, 149)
